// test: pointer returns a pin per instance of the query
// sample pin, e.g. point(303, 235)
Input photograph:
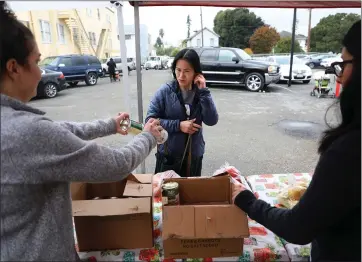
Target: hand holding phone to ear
point(200, 81)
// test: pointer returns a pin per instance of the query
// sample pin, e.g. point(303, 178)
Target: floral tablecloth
point(267, 188)
point(262, 245)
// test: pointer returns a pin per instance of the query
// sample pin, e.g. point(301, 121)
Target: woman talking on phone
point(182, 106)
point(40, 157)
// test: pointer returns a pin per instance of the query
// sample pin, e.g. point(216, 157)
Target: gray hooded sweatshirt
point(39, 159)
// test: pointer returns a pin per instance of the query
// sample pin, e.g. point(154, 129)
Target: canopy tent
point(311, 4)
point(254, 3)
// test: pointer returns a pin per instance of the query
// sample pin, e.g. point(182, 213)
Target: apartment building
point(74, 31)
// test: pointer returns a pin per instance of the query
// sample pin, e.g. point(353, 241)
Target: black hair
point(350, 98)
point(16, 40)
point(191, 56)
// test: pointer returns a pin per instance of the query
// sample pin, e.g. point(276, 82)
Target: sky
point(173, 19)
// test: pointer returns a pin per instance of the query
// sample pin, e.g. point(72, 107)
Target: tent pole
point(292, 48)
point(136, 10)
point(122, 41)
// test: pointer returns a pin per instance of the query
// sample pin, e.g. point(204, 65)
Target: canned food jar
point(170, 193)
point(133, 127)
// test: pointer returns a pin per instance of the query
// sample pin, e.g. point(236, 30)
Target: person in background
point(40, 157)
point(329, 212)
point(182, 105)
point(112, 69)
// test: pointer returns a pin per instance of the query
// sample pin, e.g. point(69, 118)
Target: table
point(266, 188)
point(262, 245)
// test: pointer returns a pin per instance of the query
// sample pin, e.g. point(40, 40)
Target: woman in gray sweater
point(40, 157)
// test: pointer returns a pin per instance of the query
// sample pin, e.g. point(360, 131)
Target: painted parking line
point(286, 88)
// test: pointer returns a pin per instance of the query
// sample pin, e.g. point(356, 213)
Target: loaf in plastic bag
point(291, 195)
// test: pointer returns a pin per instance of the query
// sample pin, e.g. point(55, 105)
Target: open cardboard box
point(123, 223)
point(206, 223)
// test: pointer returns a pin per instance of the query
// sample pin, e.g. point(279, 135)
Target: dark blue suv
point(76, 68)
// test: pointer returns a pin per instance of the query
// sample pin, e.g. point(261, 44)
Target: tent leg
point(136, 10)
point(292, 48)
point(122, 41)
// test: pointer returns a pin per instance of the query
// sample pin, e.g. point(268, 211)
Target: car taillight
point(61, 76)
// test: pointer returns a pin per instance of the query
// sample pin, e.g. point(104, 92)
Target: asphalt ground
point(259, 133)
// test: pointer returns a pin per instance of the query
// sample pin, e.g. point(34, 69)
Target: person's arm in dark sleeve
point(156, 110)
point(335, 189)
point(208, 109)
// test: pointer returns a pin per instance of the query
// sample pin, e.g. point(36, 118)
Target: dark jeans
point(164, 163)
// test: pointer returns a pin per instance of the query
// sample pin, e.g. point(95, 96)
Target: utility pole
point(309, 29)
point(202, 28)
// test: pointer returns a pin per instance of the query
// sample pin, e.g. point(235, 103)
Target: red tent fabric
point(255, 3)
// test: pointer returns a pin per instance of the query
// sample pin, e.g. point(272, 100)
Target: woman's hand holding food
point(153, 126)
point(189, 127)
point(119, 118)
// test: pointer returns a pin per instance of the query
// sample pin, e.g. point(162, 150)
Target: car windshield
point(152, 58)
point(243, 54)
point(284, 60)
point(52, 61)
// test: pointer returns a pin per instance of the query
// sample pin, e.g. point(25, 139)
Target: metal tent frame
point(311, 4)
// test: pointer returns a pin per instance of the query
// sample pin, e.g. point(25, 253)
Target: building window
point(128, 37)
point(89, 12)
point(99, 14)
point(92, 38)
point(211, 41)
point(61, 34)
point(198, 42)
point(46, 36)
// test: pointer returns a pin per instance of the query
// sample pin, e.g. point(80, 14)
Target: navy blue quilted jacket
point(167, 105)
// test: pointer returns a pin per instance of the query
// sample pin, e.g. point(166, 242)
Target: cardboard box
point(124, 223)
point(205, 224)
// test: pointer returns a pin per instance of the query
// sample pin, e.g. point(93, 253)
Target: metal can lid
point(170, 185)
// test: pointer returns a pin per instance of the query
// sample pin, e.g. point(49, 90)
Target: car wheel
point(306, 81)
point(91, 79)
point(311, 65)
point(73, 84)
point(254, 82)
point(50, 90)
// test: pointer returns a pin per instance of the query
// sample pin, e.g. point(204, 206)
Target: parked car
point(315, 61)
point(169, 62)
point(328, 61)
point(153, 62)
point(76, 68)
point(226, 65)
point(51, 83)
point(300, 71)
point(131, 64)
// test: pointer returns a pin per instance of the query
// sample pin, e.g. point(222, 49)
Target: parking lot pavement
point(250, 134)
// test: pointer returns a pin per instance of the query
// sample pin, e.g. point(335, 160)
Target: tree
point(188, 23)
point(235, 27)
point(264, 39)
point(327, 35)
point(161, 33)
point(159, 42)
point(248, 51)
point(174, 52)
point(284, 46)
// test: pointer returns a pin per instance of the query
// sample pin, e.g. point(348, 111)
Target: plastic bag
point(236, 177)
point(158, 179)
point(291, 195)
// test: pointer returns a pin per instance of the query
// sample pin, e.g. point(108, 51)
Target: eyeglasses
point(338, 67)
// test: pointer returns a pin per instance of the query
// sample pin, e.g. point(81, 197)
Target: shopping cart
point(322, 86)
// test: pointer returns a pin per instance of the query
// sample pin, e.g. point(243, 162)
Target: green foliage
point(235, 27)
point(328, 34)
point(264, 39)
point(284, 46)
point(169, 51)
point(158, 43)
